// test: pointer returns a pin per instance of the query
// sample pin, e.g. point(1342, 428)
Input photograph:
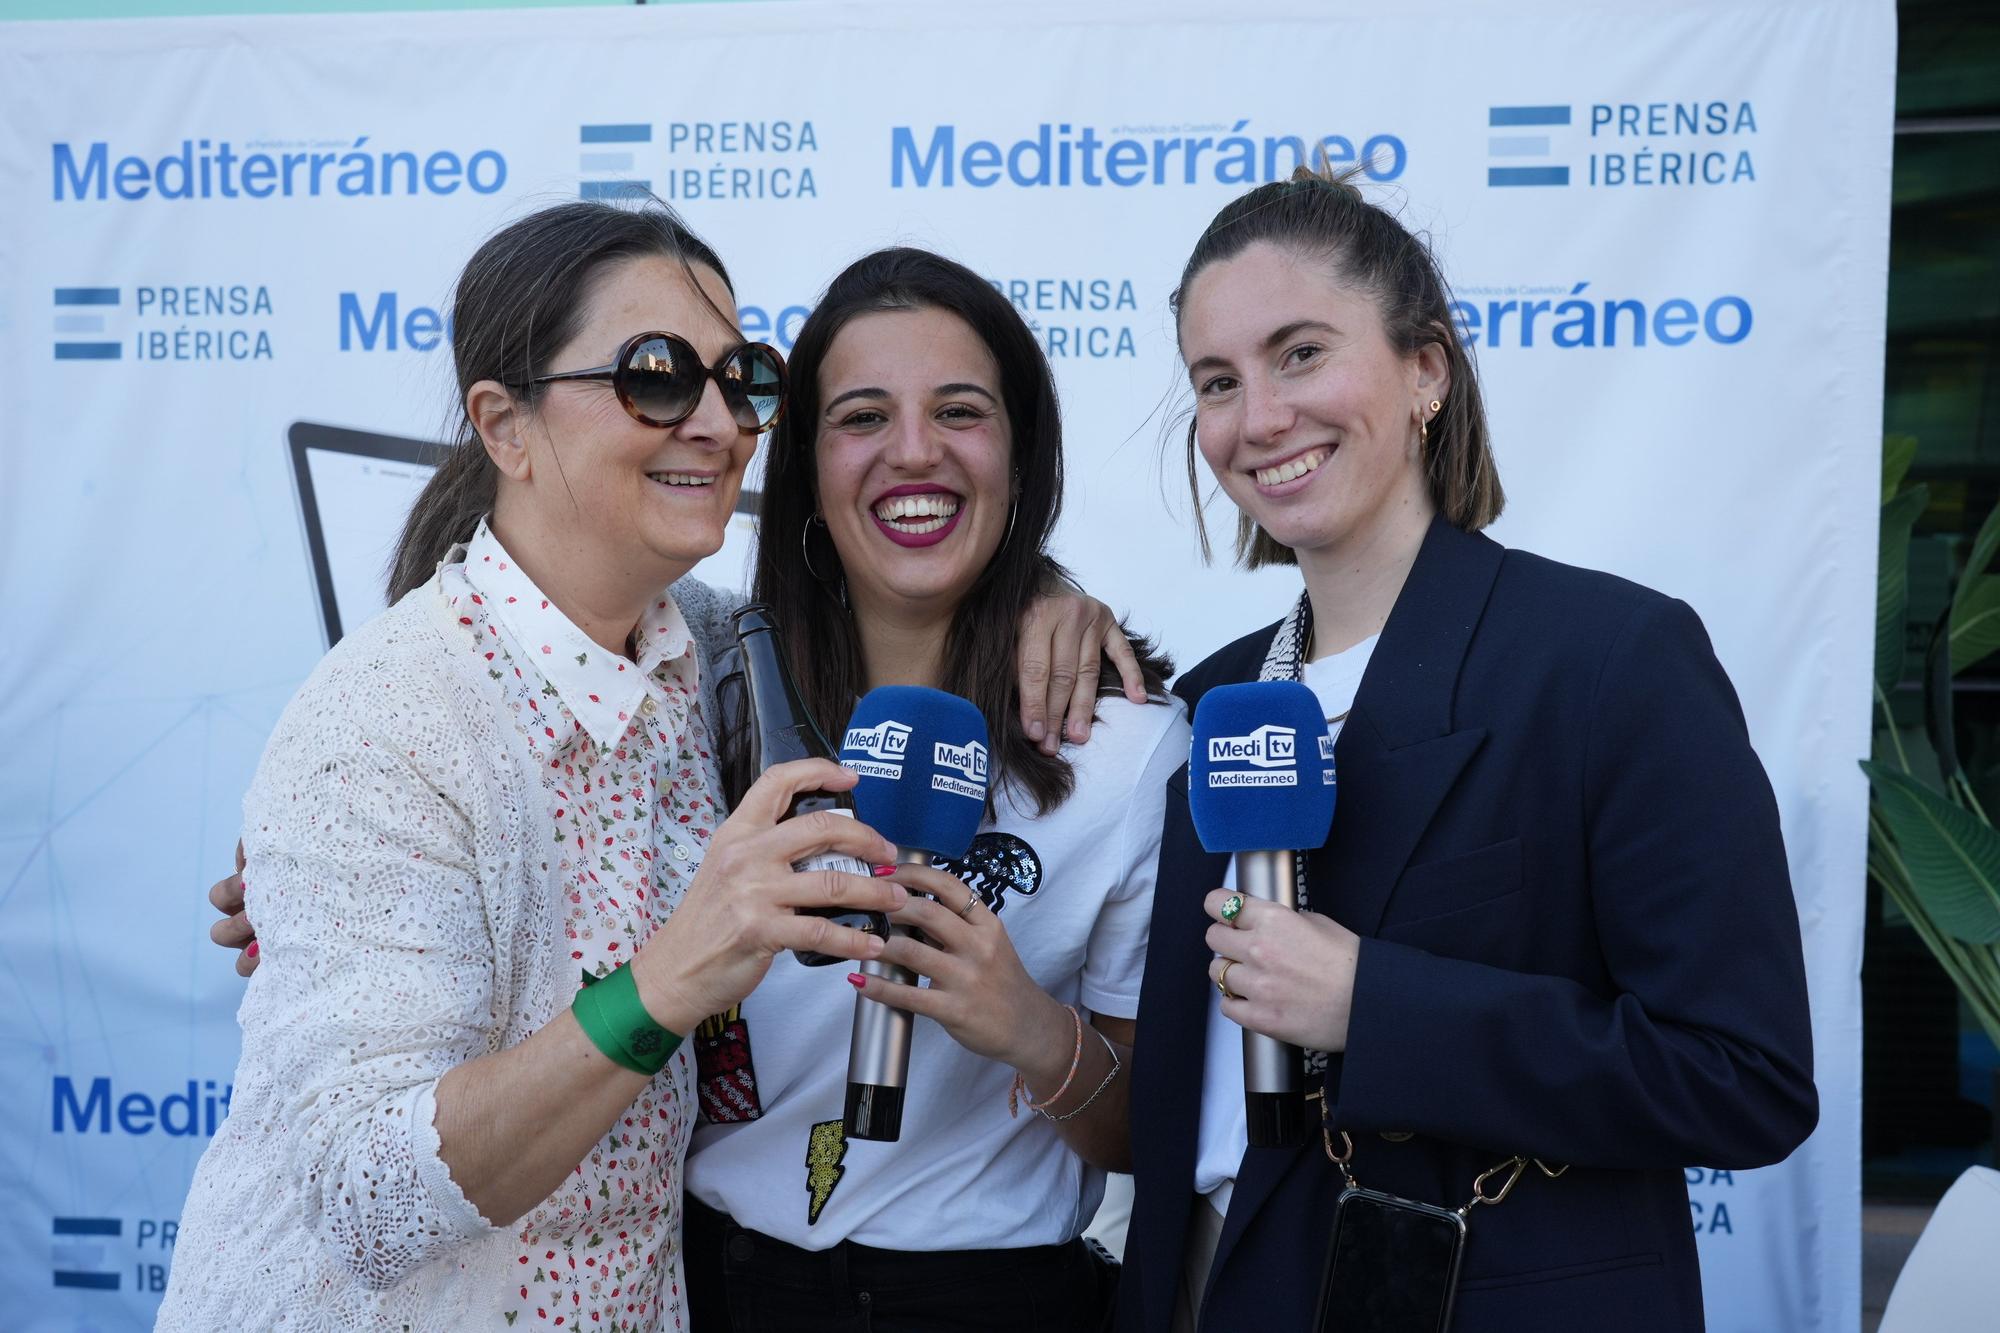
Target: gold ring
point(1232, 907)
point(1222, 980)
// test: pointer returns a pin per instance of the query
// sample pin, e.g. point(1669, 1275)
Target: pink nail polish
point(883, 872)
point(856, 980)
point(252, 950)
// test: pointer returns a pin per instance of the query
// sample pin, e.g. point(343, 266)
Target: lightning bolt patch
point(826, 1149)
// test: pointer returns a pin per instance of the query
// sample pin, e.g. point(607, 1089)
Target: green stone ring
point(1232, 907)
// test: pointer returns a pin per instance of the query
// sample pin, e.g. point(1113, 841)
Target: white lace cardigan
point(337, 1212)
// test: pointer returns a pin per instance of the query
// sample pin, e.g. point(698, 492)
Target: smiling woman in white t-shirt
point(908, 499)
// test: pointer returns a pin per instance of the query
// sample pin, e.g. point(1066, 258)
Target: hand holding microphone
point(1261, 786)
point(922, 759)
point(1293, 973)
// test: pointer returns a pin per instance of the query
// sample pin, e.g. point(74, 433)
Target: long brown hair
point(821, 641)
point(519, 302)
point(1324, 216)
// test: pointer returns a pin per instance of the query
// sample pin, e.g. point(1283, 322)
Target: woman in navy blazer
point(1553, 918)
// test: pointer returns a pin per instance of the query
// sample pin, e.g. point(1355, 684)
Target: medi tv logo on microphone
point(969, 760)
point(886, 743)
point(1270, 753)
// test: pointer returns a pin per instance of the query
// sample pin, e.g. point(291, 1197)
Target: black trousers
point(742, 1281)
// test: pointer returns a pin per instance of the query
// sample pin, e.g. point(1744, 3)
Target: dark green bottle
point(781, 730)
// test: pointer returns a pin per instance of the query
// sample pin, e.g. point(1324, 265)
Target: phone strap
point(1512, 1168)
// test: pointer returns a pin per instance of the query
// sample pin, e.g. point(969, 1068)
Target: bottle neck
point(784, 728)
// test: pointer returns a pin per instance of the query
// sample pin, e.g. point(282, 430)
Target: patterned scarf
point(1286, 661)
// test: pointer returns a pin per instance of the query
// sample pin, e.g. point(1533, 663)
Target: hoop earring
point(805, 547)
point(1012, 510)
point(805, 554)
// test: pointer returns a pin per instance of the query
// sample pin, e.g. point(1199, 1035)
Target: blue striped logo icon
point(608, 159)
point(81, 1257)
point(1517, 135)
point(81, 311)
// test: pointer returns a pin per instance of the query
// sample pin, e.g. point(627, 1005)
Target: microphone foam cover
point(922, 757)
point(1260, 768)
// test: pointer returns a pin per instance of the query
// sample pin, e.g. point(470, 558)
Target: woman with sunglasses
point(502, 786)
point(908, 500)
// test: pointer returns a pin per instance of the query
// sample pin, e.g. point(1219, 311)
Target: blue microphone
point(922, 758)
point(1260, 786)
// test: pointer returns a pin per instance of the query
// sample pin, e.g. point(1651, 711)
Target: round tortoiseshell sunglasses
point(659, 378)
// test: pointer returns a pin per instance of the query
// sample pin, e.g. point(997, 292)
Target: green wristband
point(610, 1013)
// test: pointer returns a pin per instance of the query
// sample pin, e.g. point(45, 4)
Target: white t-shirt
point(1224, 1133)
point(1075, 891)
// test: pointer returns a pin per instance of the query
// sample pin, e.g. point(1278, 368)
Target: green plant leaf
point(1984, 546)
point(1938, 704)
point(1975, 622)
point(1953, 856)
point(1892, 582)
point(1898, 452)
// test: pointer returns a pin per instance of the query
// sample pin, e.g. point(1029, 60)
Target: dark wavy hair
point(518, 303)
point(819, 634)
point(1324, 216)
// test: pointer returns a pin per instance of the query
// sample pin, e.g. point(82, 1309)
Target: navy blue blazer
point(1578, 942)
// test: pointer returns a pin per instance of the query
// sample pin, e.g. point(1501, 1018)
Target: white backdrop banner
point(1667, 228)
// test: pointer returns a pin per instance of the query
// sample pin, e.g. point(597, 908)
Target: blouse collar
point(602, 689)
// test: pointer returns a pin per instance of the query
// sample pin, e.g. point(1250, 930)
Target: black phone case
point(1391, 1266)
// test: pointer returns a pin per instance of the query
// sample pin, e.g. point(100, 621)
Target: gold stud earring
point(1436, 407)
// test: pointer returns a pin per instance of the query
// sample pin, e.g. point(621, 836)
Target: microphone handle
point(878, 1054)
point(1274, 1099)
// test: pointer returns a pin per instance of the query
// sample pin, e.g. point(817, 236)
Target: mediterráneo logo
point(1270, 751)
point(392, 322)
point(216, 169)
point(1555, 315)
point(1127, 156)
point(193, 1110)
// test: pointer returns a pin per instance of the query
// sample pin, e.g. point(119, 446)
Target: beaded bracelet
point(1019, 1094)
point(609, 1011)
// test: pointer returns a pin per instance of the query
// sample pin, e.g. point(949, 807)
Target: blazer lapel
point(1399, 753)
point(1388, 797)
